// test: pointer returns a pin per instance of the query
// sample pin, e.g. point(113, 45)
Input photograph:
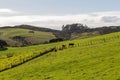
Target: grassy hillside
point(84, 35)
point(34, 37)
point(96, 58)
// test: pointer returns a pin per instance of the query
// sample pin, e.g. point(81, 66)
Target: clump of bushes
point(31, 32)
point(56, 40)
point(3, 44)
point(9, 55)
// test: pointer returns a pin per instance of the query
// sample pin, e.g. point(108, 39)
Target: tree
point(69, 29)
point(3, 44)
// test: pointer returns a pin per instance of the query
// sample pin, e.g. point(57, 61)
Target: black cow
point(71, 44)
point(63, 46)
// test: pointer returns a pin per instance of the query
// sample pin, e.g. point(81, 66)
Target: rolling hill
point(23, 37)
point(95, 58)
point(26, 35)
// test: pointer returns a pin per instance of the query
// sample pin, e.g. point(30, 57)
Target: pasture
point(96, 58)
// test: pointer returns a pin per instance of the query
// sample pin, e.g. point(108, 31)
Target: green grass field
point(35, 38)
point(96, 58)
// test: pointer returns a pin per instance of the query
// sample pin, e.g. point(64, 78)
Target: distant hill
point(35, 28)
point(24, 35)
point(16, 36)
point(77, 30)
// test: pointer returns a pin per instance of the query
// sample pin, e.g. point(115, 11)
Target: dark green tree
point(3, 44)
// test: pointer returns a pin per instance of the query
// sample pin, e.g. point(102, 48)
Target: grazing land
point(96, 58)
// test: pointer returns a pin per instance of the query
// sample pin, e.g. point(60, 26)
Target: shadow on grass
point(3, 49)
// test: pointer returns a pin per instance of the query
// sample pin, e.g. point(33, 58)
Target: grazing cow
point(71, 44)
point(54, 49)
point(63, 46)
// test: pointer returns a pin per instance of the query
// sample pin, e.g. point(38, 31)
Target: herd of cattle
point(62, 47)
point(55, 49)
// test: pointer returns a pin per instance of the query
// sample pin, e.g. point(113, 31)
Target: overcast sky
point(55, 13)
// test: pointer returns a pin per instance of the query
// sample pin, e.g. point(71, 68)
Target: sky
point(55, 13)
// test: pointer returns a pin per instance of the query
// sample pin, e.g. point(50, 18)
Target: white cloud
point(95, 19)
point(5, 10)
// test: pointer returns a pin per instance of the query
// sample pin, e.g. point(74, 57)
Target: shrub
point(31, 32)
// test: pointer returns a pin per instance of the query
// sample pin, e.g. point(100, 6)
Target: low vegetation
point(94, 58)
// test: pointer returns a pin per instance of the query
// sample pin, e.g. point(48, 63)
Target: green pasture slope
point(35, 38)
point(96, 58)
